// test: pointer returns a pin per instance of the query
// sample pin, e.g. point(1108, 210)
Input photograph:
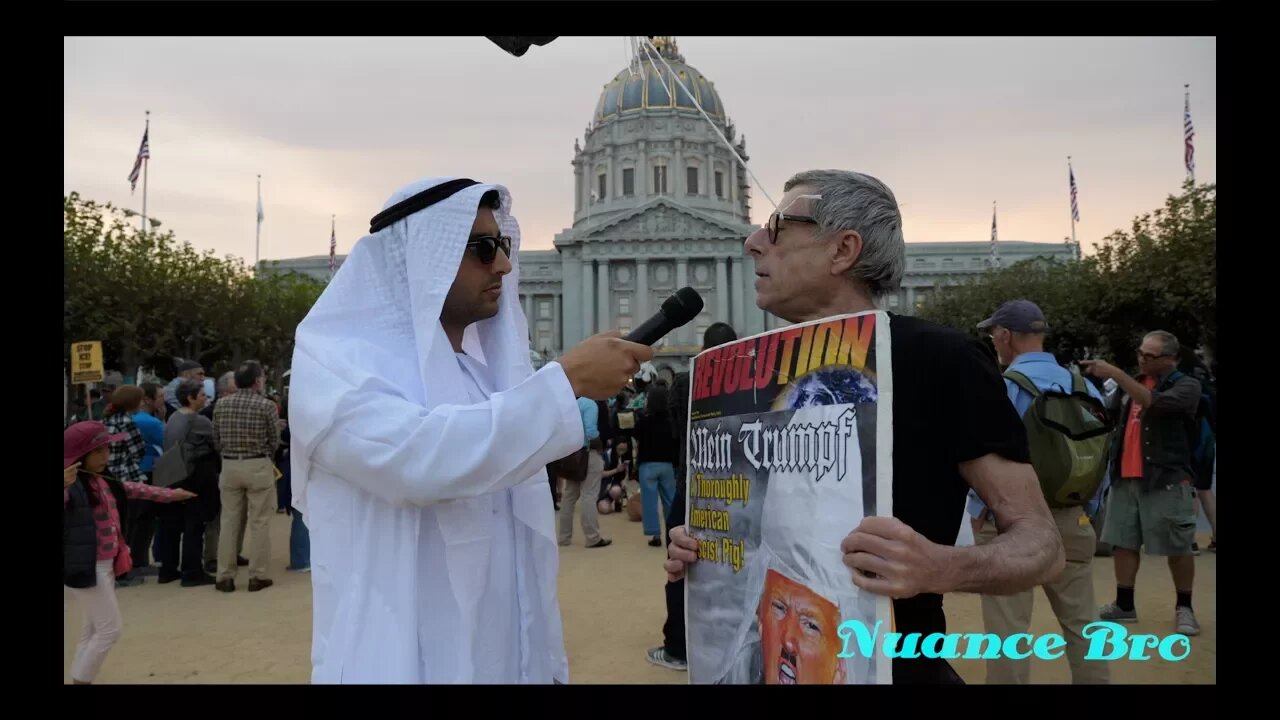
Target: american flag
point(144, 152)
point(333, 246)
point(1075, 207)
point(995, 249)
point(1189, 134)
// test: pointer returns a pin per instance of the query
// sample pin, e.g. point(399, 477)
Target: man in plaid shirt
point(246, 430)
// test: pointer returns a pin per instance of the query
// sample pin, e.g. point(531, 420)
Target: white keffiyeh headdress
point(376, 328)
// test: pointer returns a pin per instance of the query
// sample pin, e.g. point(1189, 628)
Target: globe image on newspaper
point(828, 386)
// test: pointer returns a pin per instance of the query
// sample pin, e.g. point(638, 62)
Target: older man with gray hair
point(1151, 503)
point(833, 246)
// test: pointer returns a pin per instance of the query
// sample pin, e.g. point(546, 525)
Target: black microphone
point(676, 311)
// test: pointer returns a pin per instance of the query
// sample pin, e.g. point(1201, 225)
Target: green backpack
point(1070, 439)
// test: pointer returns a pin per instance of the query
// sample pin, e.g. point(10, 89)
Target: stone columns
point(682, 279)
point(529, 318)
point(588, 306)
point(676, 184)
point(737, 290)
point(604, 318)
point(731, 177)
point(577, 186)
point(643, 180)
point(911, 301)
point(722, 291)
point(611, 188)
point(708, 174)
point(557, 342)
point(572, 322)
point(641, 312)
point(753, 316)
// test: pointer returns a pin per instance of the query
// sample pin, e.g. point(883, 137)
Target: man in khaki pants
point(1017, 331)
point(246, 430)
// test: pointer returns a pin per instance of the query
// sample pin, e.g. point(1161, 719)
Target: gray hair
point(854, 201)
point(1171, 346)
point(188, 390)
point(227, 383)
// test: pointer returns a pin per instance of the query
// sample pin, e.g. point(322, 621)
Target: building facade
point(659, 204)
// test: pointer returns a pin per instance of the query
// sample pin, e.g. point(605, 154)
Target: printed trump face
point(798, 634)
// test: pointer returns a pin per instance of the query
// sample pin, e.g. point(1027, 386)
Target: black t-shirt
point(950, 405)
point(680, 418)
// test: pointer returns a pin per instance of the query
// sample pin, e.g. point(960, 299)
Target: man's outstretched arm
point(406, 454)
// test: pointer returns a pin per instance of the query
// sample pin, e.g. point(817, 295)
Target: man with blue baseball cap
point(1017, 330)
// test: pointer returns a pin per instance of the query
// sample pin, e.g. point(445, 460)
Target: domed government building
point(660, 203)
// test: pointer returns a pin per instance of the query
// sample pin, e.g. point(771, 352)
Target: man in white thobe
point(420, 438)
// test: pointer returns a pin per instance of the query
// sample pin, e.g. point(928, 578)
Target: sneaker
point(129, 581)
point(659, 656)
point(1113, 612)
point(1185, 618)
point(1195, 548)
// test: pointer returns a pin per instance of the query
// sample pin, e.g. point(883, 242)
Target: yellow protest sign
point(86, 362)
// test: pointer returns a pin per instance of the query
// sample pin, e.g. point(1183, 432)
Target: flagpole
point(145, 162)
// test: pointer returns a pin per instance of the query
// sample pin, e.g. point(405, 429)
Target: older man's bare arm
point(1027, 552)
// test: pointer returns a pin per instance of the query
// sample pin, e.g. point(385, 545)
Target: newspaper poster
point(790, 446)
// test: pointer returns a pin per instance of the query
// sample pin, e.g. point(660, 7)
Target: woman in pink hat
point(93, 550)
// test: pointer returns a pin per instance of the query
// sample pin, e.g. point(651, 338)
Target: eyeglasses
point(778, 217)
point(486, 247)
point(1150, 356)
point(782, 215)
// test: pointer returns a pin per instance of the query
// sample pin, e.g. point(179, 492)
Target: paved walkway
point(612, 608)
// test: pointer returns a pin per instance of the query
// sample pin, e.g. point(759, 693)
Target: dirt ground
point(612, 606)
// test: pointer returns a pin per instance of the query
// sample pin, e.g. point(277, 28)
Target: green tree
point(1162, 274)
point(143, 294)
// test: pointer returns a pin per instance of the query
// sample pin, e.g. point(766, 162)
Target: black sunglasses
point(774, 219)
point(486, 247)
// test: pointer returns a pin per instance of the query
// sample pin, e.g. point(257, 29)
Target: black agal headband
point(421, 201)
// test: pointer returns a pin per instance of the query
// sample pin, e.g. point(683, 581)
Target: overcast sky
point(334, 125)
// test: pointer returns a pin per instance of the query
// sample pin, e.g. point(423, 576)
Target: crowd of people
point(423, 439)
point(173, 476)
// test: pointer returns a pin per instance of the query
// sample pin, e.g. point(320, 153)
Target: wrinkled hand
point(179, 495)
point(601, 365)
point(1100, 369)
point(682, 552)
point(69, 475)
point(889, 558)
